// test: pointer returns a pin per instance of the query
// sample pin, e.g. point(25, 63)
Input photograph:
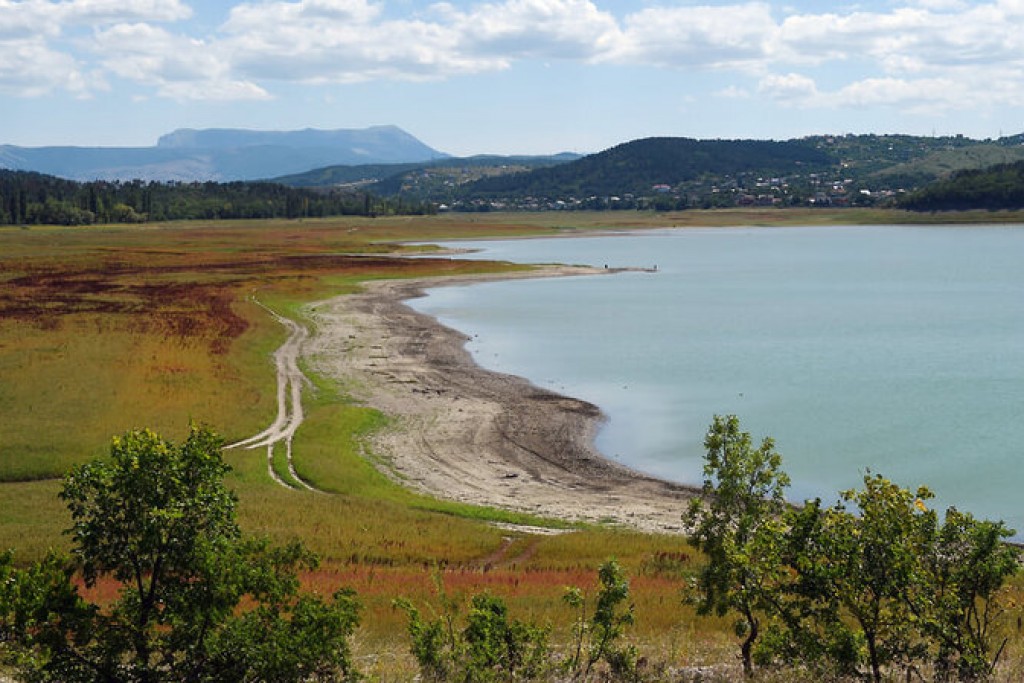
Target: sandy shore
point(467, 434)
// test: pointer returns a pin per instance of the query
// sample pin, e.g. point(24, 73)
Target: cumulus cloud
point(37, 57)
point(176, 66)
point(892, 57)
point(28, 68)
point(733, 92)
point(941, 5)
point(904, 39)
point(920, 93)
point(545, 29)
point(318, 41)
point(703, 36)
point(347, 40)
point(118, 11)
point(788, 87)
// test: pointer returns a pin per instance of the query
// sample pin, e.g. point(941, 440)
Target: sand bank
point(464, 433)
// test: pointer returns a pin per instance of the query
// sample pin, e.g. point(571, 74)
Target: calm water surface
point(891, 348)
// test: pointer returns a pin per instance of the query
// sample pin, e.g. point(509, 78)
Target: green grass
point(32, 518)
point(947, 162)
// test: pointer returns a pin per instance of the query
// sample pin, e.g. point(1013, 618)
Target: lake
point(894, 349)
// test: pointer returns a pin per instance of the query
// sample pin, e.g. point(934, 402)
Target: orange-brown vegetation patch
point(190, 297)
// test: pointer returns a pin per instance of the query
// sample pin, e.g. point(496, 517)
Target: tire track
point(290, 380)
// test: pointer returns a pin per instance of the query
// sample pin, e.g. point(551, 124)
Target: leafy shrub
point(488, 648)
point(598, 636)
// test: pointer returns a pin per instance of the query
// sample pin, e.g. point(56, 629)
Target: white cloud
point(28, 68)
point(733, 92)
point(18, 20)
point(941, 5)
point(302, 42)
point(119, 11)
point(703, 36)
point(789, 87)
point(176, 66)
point(904, 39)
point(266, 16)
point(36, 56)
point(921, 94)
point(544, 29)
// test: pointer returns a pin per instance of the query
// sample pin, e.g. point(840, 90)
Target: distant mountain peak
point(225, 154)
point(224, 138)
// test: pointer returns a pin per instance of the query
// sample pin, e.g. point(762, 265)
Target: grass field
point(108, 329)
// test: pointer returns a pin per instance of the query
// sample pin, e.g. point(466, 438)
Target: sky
point(509, 76)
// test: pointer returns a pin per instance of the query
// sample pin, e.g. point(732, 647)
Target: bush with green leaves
point(887, 586)
point(489, 647)
point(597, 637)
point(157, 518)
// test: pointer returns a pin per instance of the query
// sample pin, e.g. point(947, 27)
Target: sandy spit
point(467, 434)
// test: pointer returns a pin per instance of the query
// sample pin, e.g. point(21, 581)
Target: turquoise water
point(891, 348)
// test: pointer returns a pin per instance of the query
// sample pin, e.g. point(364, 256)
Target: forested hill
point(997, 187)
point(635, 167)
point(33, 199)
point(440, 180)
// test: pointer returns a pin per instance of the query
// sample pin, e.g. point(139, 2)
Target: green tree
point(736, 524)
point(157, 518)
point(809, 627)
point(597, 636)
point(964, 567)
point(884, 585)
point(867, 562)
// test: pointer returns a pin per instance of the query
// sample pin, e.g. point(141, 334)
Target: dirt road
point(290, 380)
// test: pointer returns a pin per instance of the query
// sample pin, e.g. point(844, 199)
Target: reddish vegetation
point(177, 296)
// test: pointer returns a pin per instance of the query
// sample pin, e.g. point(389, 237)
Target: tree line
point(36, 199)
point(875, 585)
point(994, 188)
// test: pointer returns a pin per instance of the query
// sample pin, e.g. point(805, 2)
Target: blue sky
point(509, 76)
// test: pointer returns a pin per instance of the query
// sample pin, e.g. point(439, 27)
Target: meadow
point(105, 329)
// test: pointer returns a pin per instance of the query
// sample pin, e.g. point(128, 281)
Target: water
point(894, 349)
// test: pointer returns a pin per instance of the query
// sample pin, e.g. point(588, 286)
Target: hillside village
point(863, 171)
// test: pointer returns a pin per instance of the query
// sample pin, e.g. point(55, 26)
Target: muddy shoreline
point(464, 433)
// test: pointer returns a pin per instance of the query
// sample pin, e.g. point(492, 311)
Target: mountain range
point(223, 154)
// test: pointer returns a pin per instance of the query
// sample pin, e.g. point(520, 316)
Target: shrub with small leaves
point(597, 637)
point(490, 647)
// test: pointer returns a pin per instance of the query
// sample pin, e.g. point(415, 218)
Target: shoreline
point(468, 434)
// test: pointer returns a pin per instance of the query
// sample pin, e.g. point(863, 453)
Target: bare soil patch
point(464, 433)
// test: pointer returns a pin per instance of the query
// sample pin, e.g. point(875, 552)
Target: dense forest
point(994, 188)
point(37, 199)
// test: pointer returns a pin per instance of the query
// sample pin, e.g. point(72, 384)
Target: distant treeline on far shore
point(28, 198)
point(36, 199)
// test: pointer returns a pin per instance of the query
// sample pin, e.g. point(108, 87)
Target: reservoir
point(894, 350)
